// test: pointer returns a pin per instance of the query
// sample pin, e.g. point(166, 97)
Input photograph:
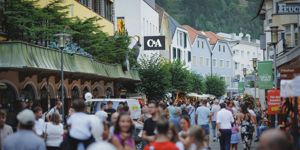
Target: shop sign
point(274, 102)
point(265, 74)
point(241, 87)
point(154, 43)
point(287, 8)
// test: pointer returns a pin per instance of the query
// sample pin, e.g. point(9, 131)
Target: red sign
point(274, 102)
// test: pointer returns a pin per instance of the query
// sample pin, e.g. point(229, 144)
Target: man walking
point(24, 138)
point(5, 130)
point(214, 110)
point(39, 122)
point(203, 117)
point(224, 120)
point(150, 123)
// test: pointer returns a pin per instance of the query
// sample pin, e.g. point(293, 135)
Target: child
point(235, 136)
point(122, 138)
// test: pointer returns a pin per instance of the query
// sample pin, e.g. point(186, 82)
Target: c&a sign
point(154, 43)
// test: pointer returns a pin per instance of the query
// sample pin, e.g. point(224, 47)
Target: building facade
point(103, 9)
point(280, 15)
point(141, 21)
point(201, 52)
point(244, 49)
point(178, 44)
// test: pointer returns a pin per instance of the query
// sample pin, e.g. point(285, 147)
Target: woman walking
point(247, 128)
point(53, 132)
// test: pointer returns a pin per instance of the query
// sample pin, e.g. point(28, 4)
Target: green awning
point(24, 55)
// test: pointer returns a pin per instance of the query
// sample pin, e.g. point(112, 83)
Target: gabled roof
point(172, 23)
point(193, 33)
point(213, 37)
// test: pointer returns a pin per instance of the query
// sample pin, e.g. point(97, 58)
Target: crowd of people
point(173, 125)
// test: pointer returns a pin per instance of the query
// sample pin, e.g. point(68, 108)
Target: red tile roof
point(213, 38)
point(192, 32)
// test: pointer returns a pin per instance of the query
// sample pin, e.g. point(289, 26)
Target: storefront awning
point(14, 55)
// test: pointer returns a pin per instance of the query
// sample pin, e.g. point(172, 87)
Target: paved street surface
point(216, 145)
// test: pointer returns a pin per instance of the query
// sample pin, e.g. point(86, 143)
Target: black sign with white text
point(154, 43)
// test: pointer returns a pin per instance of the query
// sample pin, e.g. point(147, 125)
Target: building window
point(207, 62)
point(242, 53)
point(248, 54)
point(84, 2)
point(96, 6)
point(201, 61)
point(290, 43)
point(223, 48)
point(219, 48)
point(108, 9)
point(180, 39)
point(189, 56)
point(174, 53)
point(185, 40)
point(236, 66)
point(214, 63)
point(202, 44)
point(178, 54)
point(194, 61)
point(227, 64)
point(221, 64)
point(198, 43)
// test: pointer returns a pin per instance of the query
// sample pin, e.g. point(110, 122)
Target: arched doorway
point(8, 102)
point(85, 90)
point(28, 93)
point(75, 93)
point(47, 97)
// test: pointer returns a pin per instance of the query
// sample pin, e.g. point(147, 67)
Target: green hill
point(216, 15)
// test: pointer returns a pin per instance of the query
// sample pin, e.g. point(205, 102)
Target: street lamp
point(244, 73)
point(62, 39)
point(254, 61)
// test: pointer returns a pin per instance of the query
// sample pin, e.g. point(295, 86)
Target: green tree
point(180, 77)
point(155, 77)
point(215, 85)
point(197, 83)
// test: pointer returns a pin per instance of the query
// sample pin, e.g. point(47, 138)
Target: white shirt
point(215, 109)
point(252, 113)
point(54, 134)
point(80, 126)
point(39, 126)
point(225, 118)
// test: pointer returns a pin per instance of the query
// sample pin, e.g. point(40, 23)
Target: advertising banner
point(121, 25)
point(241, 87)
point(265, 75)
point(274, 102)
point(154, 43)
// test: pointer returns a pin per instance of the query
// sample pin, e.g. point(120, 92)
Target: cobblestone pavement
point(216, 145)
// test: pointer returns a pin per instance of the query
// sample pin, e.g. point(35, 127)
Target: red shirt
point(162, 146)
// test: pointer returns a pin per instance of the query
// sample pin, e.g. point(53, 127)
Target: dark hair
point(37, 109)
point(174, 132)
point(222, 105)
point(162, 126)
point(187, 119)
point(109, 102)
point(117, 126)
point(102, 105)
point(27, 126)
point(153, 102)
point(204, 102)
point(244, 109)
point(78, 105)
